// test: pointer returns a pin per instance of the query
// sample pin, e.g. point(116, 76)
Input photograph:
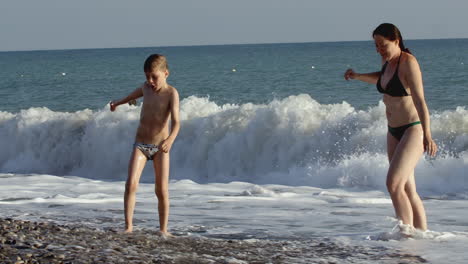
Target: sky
point(67, 24)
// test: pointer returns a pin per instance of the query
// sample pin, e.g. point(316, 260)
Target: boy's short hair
point(155, 61)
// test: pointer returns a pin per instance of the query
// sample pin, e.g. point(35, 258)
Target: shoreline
point(47, 242)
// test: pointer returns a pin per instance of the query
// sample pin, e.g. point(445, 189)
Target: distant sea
point(274, 143)
point(72, 80)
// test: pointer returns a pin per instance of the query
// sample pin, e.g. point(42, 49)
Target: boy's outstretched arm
point(175, 123)
point(132, 96)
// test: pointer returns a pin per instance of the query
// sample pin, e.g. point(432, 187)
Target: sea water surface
point(274, 143)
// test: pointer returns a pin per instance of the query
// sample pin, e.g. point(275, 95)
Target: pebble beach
point(47, 242)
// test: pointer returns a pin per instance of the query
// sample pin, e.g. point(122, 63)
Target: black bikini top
point(394, 86)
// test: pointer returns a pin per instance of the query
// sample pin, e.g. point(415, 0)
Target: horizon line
point(207, 45)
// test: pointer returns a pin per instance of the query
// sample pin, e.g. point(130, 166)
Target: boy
point(153, 140)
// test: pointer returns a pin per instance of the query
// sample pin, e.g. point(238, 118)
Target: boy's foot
point(128, 230)
point(164, 234)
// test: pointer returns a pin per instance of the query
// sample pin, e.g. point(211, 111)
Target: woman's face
point(386, 48)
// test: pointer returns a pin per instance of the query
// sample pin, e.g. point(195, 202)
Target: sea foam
point(292, 141)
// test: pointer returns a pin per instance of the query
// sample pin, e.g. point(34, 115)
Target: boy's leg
point(135, 167)
point(161, 172)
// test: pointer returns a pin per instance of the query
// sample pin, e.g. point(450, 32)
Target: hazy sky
point(67, 24)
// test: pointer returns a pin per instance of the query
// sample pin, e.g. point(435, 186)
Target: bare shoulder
point(173, 91)
point(409, 60)
point(409, 64)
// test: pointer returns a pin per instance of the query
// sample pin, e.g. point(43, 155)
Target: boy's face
point(156, 78)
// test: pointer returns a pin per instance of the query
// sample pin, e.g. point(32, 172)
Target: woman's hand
point(430, 146)
point(350, 74)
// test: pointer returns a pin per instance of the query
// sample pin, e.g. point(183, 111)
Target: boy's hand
point(113, 106)
point(166, 145)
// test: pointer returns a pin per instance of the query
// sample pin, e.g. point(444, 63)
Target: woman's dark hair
point(390, 32)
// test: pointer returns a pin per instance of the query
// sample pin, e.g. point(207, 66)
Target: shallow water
point(240, 210)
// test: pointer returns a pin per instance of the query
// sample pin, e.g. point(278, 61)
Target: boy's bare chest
point(156, 103)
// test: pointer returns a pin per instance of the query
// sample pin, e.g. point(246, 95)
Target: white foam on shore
point(239, 210)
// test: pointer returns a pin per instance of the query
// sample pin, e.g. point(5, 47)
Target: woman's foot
point(406, 230)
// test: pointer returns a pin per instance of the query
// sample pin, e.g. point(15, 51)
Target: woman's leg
point(419, 214)
point(404, 158)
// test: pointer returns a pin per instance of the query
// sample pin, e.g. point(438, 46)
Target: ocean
point(274, 143)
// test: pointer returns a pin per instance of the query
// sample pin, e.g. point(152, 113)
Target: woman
point(409, 133)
